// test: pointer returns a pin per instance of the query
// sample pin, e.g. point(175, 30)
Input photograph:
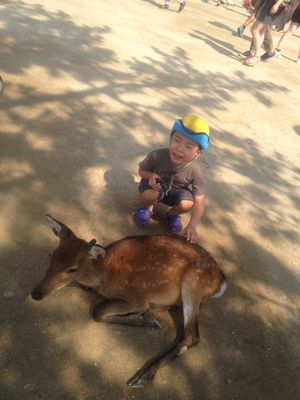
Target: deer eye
point(72, 270)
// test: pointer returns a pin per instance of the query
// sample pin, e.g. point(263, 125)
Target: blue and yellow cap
point(194, 128)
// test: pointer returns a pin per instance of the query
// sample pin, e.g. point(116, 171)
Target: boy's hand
point(154, 178)
point(189, 231)
point(191, 234)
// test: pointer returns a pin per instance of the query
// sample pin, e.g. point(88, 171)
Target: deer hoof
point(141, 378)
point(137, 382)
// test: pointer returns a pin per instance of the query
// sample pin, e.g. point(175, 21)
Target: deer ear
point(58, 228)
point(90, 244)
point(97, 252)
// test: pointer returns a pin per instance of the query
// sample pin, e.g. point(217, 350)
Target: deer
point(133, 276)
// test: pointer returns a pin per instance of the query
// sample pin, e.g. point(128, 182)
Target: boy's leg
point(148, 197)
point(173, 216)
point(181, 201)
point(183, 207)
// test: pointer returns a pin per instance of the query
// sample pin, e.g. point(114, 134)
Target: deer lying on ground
point(133, 276)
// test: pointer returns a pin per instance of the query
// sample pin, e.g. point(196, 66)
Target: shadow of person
point(297, 129)
point(117, 179)
point(121, 198)
point(121, 190)
point(218, 45)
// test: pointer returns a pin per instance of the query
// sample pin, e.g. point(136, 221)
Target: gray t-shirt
point(189, 177)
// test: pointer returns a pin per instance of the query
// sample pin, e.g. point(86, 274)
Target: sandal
point(174, 223)
point(251, 61)
point(142, 217)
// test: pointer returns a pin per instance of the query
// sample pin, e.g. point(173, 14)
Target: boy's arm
point(151, 177)
point(196, 213)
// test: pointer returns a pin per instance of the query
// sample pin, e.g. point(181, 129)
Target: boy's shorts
point(173, 198)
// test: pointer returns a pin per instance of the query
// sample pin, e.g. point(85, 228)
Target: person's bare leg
point(183, 207)
point(148, 198)
point(292, 29)
point(258, 32)
point(249, 20)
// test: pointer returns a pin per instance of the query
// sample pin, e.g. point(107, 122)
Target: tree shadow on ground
point(75, 152)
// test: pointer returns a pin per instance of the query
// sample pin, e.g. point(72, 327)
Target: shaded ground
point(91, 87)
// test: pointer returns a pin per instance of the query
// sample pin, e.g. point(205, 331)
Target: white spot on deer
point(182, 350)
point(164, 281)
point(221, 290)
point(144, 285)
point(187, 312)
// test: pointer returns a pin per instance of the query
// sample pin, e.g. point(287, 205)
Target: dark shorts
point(296, 16)
point(173, 198)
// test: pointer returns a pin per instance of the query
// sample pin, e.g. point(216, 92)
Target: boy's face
point(182, 150)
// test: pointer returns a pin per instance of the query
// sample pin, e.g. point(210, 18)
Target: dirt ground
point(92, 86)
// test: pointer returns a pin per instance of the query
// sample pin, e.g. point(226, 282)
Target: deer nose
point(36, 295)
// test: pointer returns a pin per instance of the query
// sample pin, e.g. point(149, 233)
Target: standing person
point(267, 14)
point(294, 25)
point(181, 4)
point(174, 177)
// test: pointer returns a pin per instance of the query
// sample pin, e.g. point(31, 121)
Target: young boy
point(174, 177)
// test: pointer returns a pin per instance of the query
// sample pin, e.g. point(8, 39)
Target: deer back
point(151, 268)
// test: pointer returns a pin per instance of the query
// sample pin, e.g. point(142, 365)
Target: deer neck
point(91, 273)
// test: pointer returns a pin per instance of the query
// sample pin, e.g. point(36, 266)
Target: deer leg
point(188, 338)
point(118, 312)
point(147, 373)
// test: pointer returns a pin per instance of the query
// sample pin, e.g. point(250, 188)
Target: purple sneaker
point(174, 223)
point(142, 217)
